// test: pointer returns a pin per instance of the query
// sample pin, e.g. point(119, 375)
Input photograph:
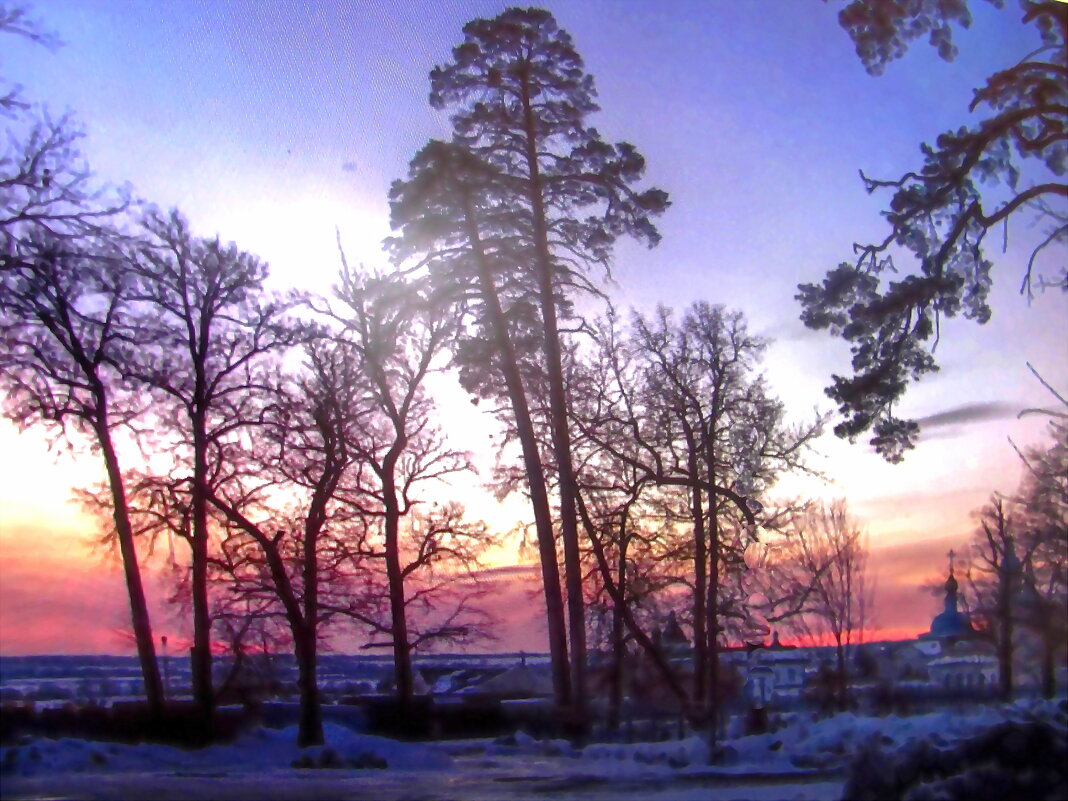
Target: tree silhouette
point(452, 218)
point(941, 212)
point(719, 426)
point(202, 330)
point(1033, 525)
point(280, 502)
point(671, 426)
point(990, 574)
point(63, 296)
point(1043, 540)
point(620, 506)
point(824, 557)
point(394, 331)
point(64, 304)
point(519, 98)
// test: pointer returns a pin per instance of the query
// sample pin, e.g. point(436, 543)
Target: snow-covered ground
point(803, 760)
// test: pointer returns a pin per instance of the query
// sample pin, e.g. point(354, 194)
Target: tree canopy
point(1008, 164)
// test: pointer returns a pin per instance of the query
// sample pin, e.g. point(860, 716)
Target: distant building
point(958, 660)
point(951, 625)
point(784, 669)
point(956, 672)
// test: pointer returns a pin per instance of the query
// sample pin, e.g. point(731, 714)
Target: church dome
point(951, 622)
point(951, 584)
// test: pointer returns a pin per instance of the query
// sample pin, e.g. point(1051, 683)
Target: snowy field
point(803, 760)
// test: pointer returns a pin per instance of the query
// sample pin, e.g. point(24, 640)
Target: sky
point(280, 125)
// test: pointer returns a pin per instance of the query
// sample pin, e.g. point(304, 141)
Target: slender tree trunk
point(142, 627)
point(307, 651)
point(840, 674)
point(402, 658)
point(1049, 667)
point(700, 591)
point(201, 656)
point(712, 613)
point(539, 498)
point(618, 636)
point(1005, 640)
point(713, 623)
point(558, 408)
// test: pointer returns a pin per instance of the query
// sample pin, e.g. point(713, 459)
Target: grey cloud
point(791, 330)
point(969, 413)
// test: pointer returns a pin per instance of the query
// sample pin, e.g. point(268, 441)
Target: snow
point(803, 759)
point(969, 659)
point(261, 749)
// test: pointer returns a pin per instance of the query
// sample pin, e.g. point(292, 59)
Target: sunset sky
point(273, 124)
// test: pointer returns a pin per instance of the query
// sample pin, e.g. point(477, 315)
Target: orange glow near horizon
point(871, 635)
point(61, 594)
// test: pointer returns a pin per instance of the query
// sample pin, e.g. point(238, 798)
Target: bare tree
point(621, 506)
point(1043, 540)
point(63, 297)
point(992, 576)
point(716, 425)
point(202, 331)
point(1017, 571)
point(396, 332)
point(65, 303)
point(280, 505)
point(827, 554)
point(667, 417)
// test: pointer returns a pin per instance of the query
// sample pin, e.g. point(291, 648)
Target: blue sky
point(274, 123)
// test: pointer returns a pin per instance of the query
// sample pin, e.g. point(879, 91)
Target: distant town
point(951, 664)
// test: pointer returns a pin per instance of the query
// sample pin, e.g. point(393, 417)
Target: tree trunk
point(712, 608)
point(700, 590)
point(311, 713)
point(539, 497)
point(303, 623)
point(1005, 639)
point(402, 658)
point(713, 624)
point(139, 617)
point(558, 409)
point(615, 702)
point(200, 667)
point(307, 653)
point(841, 700)
point(1049, 667)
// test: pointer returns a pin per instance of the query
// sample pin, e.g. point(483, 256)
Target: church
point(952, 659)
point(957, 659)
